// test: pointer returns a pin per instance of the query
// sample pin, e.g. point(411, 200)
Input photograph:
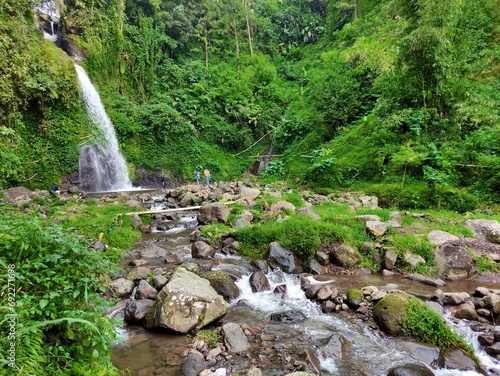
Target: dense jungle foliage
point(403, 93)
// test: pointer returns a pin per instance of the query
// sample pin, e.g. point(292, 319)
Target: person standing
point(207, 176)
point(197, 177)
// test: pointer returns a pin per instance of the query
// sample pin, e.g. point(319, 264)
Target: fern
point(30, 354)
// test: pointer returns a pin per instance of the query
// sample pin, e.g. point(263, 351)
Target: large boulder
point(376, 229)
point(410, 370)
point(453, 261)
point(485, 229)
point(259, 282)
point(279, 207)
point(185, 303)
point(212, 213)
point(388, 313)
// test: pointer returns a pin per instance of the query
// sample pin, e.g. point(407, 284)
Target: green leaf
point(43, 303)
point(95, 354)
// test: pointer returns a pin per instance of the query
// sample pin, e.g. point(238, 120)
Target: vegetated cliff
point(377, 91)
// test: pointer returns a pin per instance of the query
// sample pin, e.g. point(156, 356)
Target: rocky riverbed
point(277, 316)
point(259, 345)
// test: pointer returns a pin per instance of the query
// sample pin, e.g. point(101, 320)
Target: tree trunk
point(248, 28)
point(236, 43)
point(206, 51)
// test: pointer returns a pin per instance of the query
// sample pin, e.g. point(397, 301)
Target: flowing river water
point(151, 353)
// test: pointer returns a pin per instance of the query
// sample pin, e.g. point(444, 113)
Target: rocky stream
point(276, 317)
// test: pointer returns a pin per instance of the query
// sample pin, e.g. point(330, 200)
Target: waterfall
point(102, 167)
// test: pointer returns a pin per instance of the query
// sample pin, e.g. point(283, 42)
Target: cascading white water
point(102, 167)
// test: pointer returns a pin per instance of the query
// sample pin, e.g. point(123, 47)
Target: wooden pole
point(172, 210)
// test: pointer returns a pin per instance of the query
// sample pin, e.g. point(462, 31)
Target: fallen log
point(174, 209)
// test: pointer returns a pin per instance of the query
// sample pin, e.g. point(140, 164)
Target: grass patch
point(423, 324)
point(210, 337)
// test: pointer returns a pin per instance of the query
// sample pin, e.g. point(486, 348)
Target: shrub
point(60, 324)
point(300, 235)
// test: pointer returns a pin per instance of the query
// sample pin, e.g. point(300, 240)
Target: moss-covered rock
point(388, 313)
point(223, 284)
point(354, 298)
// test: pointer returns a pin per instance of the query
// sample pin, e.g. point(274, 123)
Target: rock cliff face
point(53, 22)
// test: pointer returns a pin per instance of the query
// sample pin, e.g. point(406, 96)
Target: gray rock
point(492, 302)
point(438, 237)
point(412, 259)
point(389, 311)
point(280, 257)
point(145, 291)
point(136, 310)
point(485, 229)
point(121, 287)
point(98, 245)
point(453, 262)
point(465, 311)
point(281, 206)
point(223, 284)
point(202, 250)
point(369, 202)
point(185, 303)
point(153, 251)
point(460, 361)
point(139, 273)
point(315, 267)
point(389, 259)
point(410, 370)
point(376, 229)
point(159, 281)
point(136, 220)
point(309, 212)
point(259, 282)
point(212, 213)
point(290, 316)
point(455, 298)
point(426, 280)
point(368, 217)
point(235, 340)
point(254, 371)
point(194, 364)
point(346, 256)
point(249, 193)
point(241, 222)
